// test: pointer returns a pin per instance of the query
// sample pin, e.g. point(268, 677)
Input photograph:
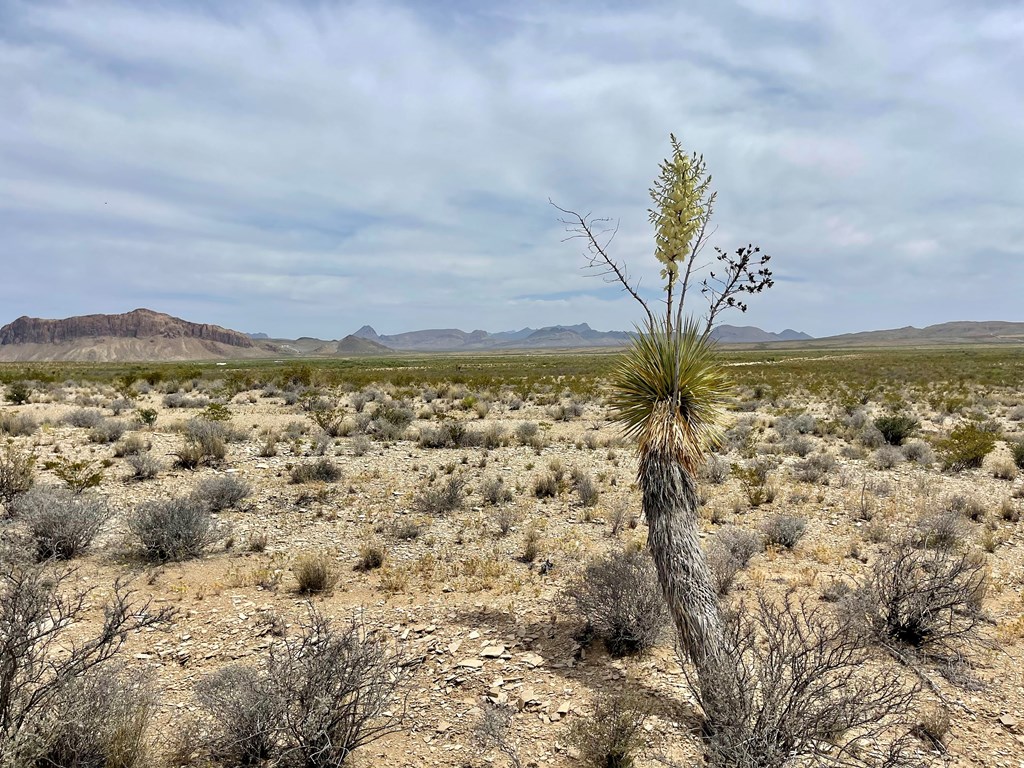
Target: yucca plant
point(668, 393)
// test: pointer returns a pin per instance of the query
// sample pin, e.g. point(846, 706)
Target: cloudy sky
point(303, 168)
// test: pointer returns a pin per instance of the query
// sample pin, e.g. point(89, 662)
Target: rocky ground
point(476, 620)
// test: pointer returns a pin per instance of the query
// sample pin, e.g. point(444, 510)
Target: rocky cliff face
point(139, 323)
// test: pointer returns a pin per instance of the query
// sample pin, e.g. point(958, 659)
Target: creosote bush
point(619, 599)
point(172, 529)
point(896, 428)
point(17, 472)
point(966, 447)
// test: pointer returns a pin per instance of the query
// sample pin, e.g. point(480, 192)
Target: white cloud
point(303, 169)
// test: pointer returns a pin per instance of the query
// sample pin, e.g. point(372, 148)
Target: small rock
point(493, 651)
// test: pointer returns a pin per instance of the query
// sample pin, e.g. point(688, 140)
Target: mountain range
point(143, 334)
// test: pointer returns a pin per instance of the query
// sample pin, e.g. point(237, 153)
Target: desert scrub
point(494, 491)
point(887, 457)
point(784, 530)
point(314, 573)
point(545, 486)
point(18, 392)
point(322, 470)
point(755, 482)
point(172, 529)
point(143, 467)
point(919, 451)
point(84, 418)
point(221, 492)
point(614, 734)
point(446, 497)
point(107, 431)
point(586, 489)
point(814, 469)
point(17, 472)
point(62, 524)
point(16, 424)
point(966, 447)
point(619, 599)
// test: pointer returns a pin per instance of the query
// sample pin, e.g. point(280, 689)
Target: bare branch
point(582, 226)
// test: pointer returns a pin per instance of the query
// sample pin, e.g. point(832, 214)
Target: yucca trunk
point(673, 534)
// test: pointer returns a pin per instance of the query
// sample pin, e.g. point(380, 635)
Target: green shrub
point(966, 447)
point(18, 393)
point(896, 428)
point(1017, 449)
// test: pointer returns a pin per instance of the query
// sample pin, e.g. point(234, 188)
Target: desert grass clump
point(371, 556)
point(221, 492)
point(15, 424)
point(62, 524)
point(586, 489)
point(784, 531)
point(814, 469)
point(17, 472)
point(940, 530)
point(446, 497)
point(613, 735)
point(896, 428)
point(1004, 469)
point(108, 431)
point(966, 447)
point(546, 486)
point(132, 445)
point(314, 573)
point(619, 599)
point(323, 470)
point(172, 529)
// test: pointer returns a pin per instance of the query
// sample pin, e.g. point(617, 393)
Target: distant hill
point(354, 345)
point(579, 336)
point(957, 332)
point(141, 334)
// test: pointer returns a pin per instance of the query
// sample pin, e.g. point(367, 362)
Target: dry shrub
point(61, 523)
point(143, 466)
point(926, 599)
point(619, 599)
point(449, 496)
point(62, 702)
point(322, 470)
point(784, 530)
point(740, 543)
point(221, 492)
point(17, 424)
point(1004, 469)
point(321, 696)
point(941, 530)
point(614, 733)
point(795, 686)
point(545, 486)
point(919, 451)
point(814, 469)
point(494, 491)
point(371, 556)
point(172, 529)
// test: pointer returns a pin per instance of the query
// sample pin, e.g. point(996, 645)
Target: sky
point(305, 168)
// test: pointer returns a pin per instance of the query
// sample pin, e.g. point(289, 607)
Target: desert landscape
point(467, 512)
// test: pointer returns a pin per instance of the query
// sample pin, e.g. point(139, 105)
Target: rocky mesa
point(141, 334)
